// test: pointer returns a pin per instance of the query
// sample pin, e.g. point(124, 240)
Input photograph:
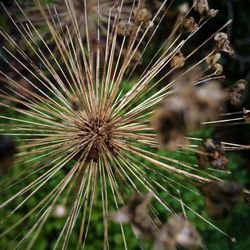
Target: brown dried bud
point(221, 197)
point(135, 212)
point(222, 43)
point(206, 104)
point(218, 69)
point(211, 154)
point(125, 28)
point(201, 6)
point(180, 113)
point(237, 92)
point(142, 15)
point(213, 59)
point(178, 61)
point(170, 123)
point(246, 115)
point(213, 13)
point(177, 232)
point(189, 24)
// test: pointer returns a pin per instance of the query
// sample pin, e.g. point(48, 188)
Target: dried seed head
point(184, 233)
point(213, 59)
point(213, 13)
point(170, 123)
point(7, 152)
point(206, 103)
point(189, 24)
point(222, 43)
point(142, 15)
point(178, 60)
point(218, 69)
point(237, 92)
point(246, 115)
point(180, 113)
point(135, 212)
point(177, 232)
point(221, 197)
point(125, 28)
point(211, 154)
point(201, 6)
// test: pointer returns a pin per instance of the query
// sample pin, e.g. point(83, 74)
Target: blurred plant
point(89, 131)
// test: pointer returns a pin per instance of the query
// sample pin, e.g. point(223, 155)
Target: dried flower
point(178, 61)
point(180, 113)
point(213, 58)
point(177, 232)
point(125, 28)
point(213, 13)
point(189, 24)
point(237, 92)
point(221, 197)
point(142, 15)
point(211, 154)
point(135, 212)
point(201, 6)
point(170, 122)
point(222, 43)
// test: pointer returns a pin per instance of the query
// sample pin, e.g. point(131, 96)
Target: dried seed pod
point(201, 6)
point(207, 102)
point(178, 61)
point(237, 92)
point(180, 113)
point(213, 13)
point(7, 152)
point(218, 69)
point(177, 232)
point(213, 59)
point(211, 154)
point(142, 15)
point(125, 28)
point(221, 197)
point(189, 24)
point(164, 240)
point(246, 115)
point(222, 43)
point(170, 123)
point(135, 212)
